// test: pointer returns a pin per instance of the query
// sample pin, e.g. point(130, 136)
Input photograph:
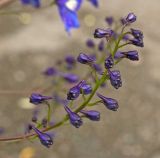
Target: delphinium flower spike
point(44, 138)
point(110, 103)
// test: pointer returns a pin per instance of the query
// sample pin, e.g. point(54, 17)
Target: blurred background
point(29, 43)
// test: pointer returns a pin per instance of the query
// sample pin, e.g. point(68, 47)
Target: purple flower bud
point(44, 138)
point(91, 114)
point(131, 17)
point(34, 3)
point(70, 60)
point(86, 89)
point(115, 78)
point(36, 98)
point(101, 46)
point(109, 62)
point(101, 33)
point(132, 55)
point(98, 68)
point(110, 103)
point(137, 34)
point(50, 71)
point(71, 78)
point(84, 59)
point(75, 119)
point(137, 42)
point(90, 43)
point(109, 20)
point(73, 93)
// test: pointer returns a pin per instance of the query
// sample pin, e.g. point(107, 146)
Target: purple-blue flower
point(86, 88)
point(34, 3)
point(115, 78)
point(74, 118)
point(109, 20)
point(91, 114)
point(131, 17)
point(138, 34)
point(37, 98)
point(137, 42)
point(110, 103)
point(44, 138)
point(68, 12)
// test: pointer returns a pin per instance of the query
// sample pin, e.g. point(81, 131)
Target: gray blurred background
point(31, 42)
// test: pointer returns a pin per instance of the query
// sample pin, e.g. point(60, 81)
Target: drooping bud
point(91, 114)
point(101, 33)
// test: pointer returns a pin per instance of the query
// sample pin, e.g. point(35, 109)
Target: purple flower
point(71, 78)
point(101, 46)
point(109, 20)
point(110, 103)
point(109, 62)
point(115, 78)
point(44, 138)
point(138, 34)
point(90, 43)
point(36, 98)
point(34, 3)
point(73, 93)
point(68, 12)
point(50, 71)
point(84, 59)
point(101, 33)
point(94, 2)
point(75, 119)
point(91, 114)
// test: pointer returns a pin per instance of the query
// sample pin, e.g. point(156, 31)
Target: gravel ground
point(26, 49)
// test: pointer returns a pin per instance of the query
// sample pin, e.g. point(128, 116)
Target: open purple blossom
point(91, 114)
point(34, 3)
point(115, 78)
point(37, 98)
point(69, 77)
point(74, 118)
point(44, 138)
point(68, 12)
point(101, 33)
point(84, 59)
point(110, 103)
point(109, 62)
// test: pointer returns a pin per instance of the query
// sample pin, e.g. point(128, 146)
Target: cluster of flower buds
point(101, 68)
